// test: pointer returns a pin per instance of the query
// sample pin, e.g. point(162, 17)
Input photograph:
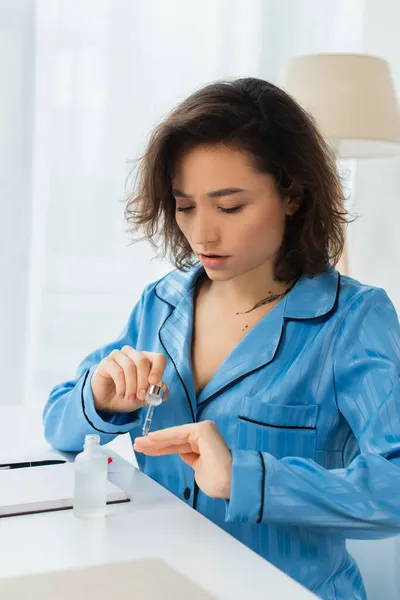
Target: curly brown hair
point(256, 116)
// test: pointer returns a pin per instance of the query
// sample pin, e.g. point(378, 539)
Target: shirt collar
point(310, 298)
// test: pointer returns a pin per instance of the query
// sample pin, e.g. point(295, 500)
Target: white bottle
point(90, 480)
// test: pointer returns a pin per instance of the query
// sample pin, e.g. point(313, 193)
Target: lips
point(213, 262)
point(214, 255)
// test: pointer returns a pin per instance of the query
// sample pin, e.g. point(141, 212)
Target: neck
point(244, 291)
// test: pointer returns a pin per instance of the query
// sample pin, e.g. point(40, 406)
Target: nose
point(204, 230)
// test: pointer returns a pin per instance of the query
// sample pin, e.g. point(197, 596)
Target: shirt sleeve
point(70, 414)
point(362, 500)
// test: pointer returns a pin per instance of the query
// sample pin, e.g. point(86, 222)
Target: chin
point(215, 275)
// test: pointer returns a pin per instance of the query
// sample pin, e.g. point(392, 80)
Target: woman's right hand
point(121, 380)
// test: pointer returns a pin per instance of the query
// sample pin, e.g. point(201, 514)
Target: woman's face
point(208, 182)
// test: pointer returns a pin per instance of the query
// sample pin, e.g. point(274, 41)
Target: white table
point(155, 524)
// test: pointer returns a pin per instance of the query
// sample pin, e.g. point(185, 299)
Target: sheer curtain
point(105, 72)
point(91, 79)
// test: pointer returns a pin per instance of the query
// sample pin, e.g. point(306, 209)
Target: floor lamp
point(352, 98)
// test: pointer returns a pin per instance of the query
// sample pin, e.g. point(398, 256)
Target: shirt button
point(186, 493)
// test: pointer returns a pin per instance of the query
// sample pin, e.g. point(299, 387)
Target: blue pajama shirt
point(309, 404)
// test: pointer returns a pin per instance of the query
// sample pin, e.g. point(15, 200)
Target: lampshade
point(351, 97)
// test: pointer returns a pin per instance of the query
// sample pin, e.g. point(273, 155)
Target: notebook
point(41, 489)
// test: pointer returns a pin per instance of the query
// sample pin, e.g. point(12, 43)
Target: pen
point(37, 463)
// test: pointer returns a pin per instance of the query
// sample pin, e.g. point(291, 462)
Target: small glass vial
point(90, 480)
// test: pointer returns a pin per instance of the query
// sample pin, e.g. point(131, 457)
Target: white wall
point(296, 27)
point(374, 251)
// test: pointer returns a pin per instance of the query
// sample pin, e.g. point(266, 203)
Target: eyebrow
point(230, 191)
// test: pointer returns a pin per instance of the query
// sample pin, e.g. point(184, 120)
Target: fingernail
point(132, 398)
point(142, 394)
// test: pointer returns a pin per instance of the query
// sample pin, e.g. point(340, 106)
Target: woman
point(283, 376)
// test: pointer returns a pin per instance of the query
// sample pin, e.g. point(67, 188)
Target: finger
point(129, 370)
point(143, 366)
point(117, 375)
point(166, 391)
point(148, 443)
point(158, 363)
point(190, 458)
point(171, 435)
point(179, 449)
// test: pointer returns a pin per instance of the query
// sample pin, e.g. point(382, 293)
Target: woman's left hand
point(201, 446)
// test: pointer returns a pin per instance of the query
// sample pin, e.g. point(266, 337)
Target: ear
point(292, 204)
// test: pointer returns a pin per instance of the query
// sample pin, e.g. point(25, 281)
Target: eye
point(231, 211)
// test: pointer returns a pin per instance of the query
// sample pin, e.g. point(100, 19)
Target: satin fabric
point(308, 402)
